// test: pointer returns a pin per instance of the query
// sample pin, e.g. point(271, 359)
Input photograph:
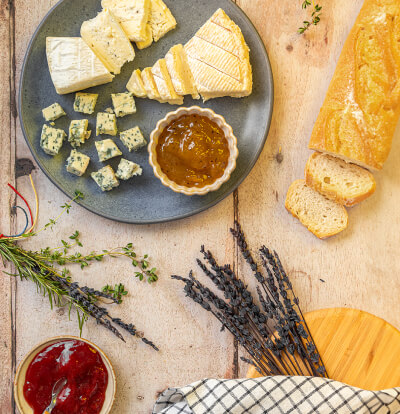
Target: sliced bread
point(345, 183)
point(321, 216)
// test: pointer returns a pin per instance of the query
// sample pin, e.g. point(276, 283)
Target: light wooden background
point(360, 268)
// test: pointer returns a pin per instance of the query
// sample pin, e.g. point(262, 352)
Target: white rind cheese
point(133, 139)
point(105, 37)
point(53, 112)
point(105, 178)
point(124, 104)
point(128, 169)
point(106, 123)
point(107, 149)
point(51, 139)
point(136, 85)
point(73, 65)
point(78, 132)
point(85, 102)
point(132, 15)
point(164, 83)
point(77, 163)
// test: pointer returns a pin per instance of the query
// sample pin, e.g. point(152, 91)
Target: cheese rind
point(106, 124)
point(148, 39)
point(132, 15)
point(78, 132)
point(105, 178)
point(53, 112)
point(179, 70)
point(150, 85)
point(105, 37)
point(133, 139)
point(73, 65)
point(164, 83)
point(85, 102)
point(136, 85)
point(51, 139)
point(77, 163)
point(124, 104)
point(107, 149)
point(128, 169)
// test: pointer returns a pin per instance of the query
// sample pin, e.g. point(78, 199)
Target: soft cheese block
point(150, 85)
point(109, 42)
point(164, 83)
point(136, 85)
point(179, 70)
point(73, 65)
point(219, 59)
point(132, 15)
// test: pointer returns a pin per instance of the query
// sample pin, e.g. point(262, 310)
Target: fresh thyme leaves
point(315, 15)
point(274, 333)
point(44, 269)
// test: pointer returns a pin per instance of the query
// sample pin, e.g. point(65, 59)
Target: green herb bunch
point(46, 268)
point(315, 15)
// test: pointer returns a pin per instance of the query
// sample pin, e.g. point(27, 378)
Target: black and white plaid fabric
point(276, 395)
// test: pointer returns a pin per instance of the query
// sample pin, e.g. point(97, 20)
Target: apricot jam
point(193, 151)
point(81, 365)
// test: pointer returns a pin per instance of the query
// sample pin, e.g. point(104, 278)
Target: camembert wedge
point(73, 65)
point(132, 15)
point(105, 37)
point(179, 70)
point(219, 59)
point(164, 83)
point(136, 85)
point(150, 85)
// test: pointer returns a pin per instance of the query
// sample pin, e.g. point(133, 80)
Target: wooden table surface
point(359, 268)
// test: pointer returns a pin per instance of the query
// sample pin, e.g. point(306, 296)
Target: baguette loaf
point(362, 106)
point(347, 184)
point(321, 216)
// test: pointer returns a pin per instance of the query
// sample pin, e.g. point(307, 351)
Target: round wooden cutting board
point(357, 348)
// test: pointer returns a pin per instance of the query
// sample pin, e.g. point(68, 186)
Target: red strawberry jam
point(81, 365)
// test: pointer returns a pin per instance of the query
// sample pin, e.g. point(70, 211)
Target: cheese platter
point(100, 109)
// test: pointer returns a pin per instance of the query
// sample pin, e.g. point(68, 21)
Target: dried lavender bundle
point(275, 334)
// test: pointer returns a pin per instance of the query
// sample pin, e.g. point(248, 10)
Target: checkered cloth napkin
point(276, 395)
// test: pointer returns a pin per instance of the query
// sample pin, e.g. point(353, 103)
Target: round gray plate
point(142, 200)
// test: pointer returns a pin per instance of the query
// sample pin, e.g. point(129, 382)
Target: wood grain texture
point(354, 347)
point(359, 267)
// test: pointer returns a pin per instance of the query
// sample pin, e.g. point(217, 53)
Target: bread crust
point(361, 110)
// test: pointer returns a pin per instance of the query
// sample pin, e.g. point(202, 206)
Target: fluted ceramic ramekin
point(220, 121)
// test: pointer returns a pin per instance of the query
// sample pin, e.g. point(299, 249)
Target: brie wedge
point(150, 85)
point(164, 83)
point(136, 85)
point(132, 15)
point(179, 70)
point(219, 59)
point(73, 65)
point(105, 37)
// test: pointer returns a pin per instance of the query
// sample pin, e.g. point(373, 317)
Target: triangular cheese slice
point(161, 19)
point(135, 84)
point(132, 15)
point(150, 85)
point(164, 83)
point(179, 70)
point(219, 59)
point(73, 65)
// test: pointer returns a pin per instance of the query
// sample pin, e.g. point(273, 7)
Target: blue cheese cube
point(106, 124)
point(128, 169)
point(53, 112)
point(133, 139)
point(124, 104)
point(52, 139)
point(77, 163)
point(105, 178)
point(107, 149)
point(78, 132)
point(85, 102)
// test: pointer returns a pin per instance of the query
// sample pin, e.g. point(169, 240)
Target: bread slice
point(347, 184)
point(321, 216)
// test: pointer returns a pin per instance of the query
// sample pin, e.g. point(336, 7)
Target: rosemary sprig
point(315, 15)
point(275, 334)
point(41, 267)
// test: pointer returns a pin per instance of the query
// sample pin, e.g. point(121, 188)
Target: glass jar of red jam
point(86, 375)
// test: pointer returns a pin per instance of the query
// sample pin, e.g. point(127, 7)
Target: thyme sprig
point(43, 267)
point(315, 15)
point(274, 332)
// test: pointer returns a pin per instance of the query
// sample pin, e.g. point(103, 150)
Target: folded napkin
point(276, 395)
